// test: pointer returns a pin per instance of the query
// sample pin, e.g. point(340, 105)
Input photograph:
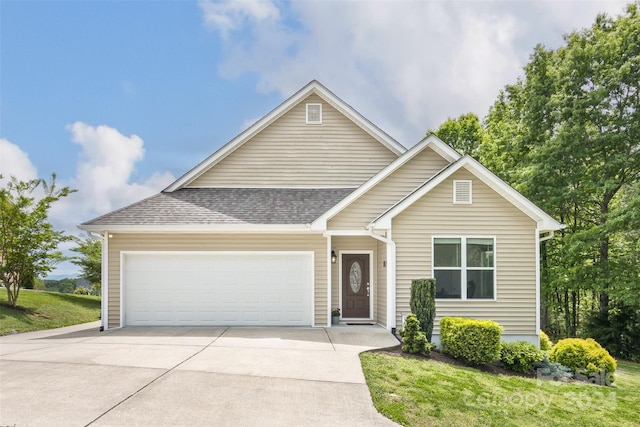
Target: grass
point(419, 392)
point(46, 310)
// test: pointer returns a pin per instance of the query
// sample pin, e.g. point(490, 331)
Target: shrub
point(545, 342)
point(582, 355)
point(423, 303)
point(551, 370)
point(81, 291)
point(414, 339)
point(520, 355)
point(476, 341)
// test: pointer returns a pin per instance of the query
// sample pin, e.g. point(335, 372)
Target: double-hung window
point(464, 267)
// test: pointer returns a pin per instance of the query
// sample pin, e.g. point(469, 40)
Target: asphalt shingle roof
point(198, 206)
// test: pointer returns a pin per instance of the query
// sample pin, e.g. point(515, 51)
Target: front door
point(355, 286)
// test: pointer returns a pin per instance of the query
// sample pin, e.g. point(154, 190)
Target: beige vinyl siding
point(389, 191)
point(352, 243)
point(218, 242)
point(291, 153)
point(489, 215)
point(381, 284)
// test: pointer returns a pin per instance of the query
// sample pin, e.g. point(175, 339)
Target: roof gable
point(545, 221)
point(431, 141)
point(313, 87)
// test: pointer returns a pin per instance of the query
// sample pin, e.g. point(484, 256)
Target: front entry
point(356, 286)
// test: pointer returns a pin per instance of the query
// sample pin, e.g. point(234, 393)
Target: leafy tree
point(567, 136)
point(90, 261)
point(464, 133)
point(28, 241)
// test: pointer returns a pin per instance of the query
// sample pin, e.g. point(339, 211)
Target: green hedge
point(545, 342)
point(519, 356)
point(582, 355)
point(476, 341)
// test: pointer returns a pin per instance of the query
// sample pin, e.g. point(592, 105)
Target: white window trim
point(455, 192)
point(315, 122)
point(463, 268)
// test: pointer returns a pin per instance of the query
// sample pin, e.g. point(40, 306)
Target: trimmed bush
point(81, 291)
point(476, 341)
point(519, 356)
point(545, 342)
point(423, 303)
point(582, 356)
point(414, 339)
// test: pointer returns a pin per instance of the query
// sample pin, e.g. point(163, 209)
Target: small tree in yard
point(423, 303)
point(28, 241)
point(414, 339)
point(90, 262)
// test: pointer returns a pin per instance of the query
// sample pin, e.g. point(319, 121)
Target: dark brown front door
point(355, 286)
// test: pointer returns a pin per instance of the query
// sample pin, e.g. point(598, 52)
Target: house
point(311, 208)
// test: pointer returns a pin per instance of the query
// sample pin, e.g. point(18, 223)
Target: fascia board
point(216, 228)
point(432, 141)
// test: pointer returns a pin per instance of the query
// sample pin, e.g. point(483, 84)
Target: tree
point(567, 137)
point(90, 261)
point(28, 241)
point(464, 133)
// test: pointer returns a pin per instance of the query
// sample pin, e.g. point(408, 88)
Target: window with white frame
point(314, 114)
point(464, 267)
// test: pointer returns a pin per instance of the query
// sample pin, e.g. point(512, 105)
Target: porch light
point(334, 257)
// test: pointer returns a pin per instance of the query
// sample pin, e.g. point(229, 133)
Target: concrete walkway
point(188, 376)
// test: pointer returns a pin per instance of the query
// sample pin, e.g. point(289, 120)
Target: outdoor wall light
point(334, 257)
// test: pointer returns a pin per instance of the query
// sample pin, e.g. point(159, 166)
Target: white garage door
point(201, 288)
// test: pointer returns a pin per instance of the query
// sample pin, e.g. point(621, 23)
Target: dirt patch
point(438, 356)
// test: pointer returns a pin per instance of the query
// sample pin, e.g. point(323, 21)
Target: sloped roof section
point(545, 222)
point(225, 206)
point(313, 87)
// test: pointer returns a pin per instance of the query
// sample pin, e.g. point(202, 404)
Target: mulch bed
point(438, 356)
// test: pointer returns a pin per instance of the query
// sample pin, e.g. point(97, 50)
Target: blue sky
point(119, 98)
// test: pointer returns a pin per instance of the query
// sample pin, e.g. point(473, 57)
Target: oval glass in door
point(355, 277)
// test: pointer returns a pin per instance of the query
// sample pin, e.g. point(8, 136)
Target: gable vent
point(462, 191)
point(314, 114)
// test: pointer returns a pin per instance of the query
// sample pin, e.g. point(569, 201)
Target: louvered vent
point(462, 191)
point(314, 114)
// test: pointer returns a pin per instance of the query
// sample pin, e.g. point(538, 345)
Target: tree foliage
point(566, 135)
point(28, 242)
point(90, 259)
point(464, 133)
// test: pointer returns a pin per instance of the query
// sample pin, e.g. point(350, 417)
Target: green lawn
point(46, 310)
point(418, 392)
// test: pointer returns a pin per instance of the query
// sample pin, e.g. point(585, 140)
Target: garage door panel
point(218, 289)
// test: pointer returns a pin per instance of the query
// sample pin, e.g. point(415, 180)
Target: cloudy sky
point(119, 98)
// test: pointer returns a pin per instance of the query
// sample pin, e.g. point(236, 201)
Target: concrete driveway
point(188, 376)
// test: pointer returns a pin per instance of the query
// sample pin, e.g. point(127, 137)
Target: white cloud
point(15, 162)
point(103, 175)
point(407, 66)
point(226, 16)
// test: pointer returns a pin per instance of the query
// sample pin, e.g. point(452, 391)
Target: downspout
point(391, 277)
point(104, 288)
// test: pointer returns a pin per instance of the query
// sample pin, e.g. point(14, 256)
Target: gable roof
point(545, 221)
point(314, 87)
point(221, 207)
point(430, 140)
